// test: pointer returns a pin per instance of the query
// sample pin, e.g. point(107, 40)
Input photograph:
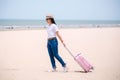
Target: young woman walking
point(52, 44)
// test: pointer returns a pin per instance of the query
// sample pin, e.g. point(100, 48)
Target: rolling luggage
point(86, 66)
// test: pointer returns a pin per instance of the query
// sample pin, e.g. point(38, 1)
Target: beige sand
point(23, 54)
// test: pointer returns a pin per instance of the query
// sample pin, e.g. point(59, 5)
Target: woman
point(52, 43)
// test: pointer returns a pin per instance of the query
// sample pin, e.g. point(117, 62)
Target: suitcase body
point(86, 66)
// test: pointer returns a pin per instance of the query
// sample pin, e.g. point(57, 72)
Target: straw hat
point(49, 16)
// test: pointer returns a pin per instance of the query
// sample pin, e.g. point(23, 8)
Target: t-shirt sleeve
point(56, 28)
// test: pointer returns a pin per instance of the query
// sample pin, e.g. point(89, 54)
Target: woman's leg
point(54, 47)
point(51, 56)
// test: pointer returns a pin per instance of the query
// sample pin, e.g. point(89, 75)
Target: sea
point(31, 24)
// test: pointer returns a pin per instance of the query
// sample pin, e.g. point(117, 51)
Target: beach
point(24, 56)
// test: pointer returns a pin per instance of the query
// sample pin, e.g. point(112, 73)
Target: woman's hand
point(64, 44)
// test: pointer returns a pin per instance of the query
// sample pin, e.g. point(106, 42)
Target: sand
point(23, 54)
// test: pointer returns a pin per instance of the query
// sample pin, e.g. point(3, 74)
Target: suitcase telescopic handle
point(69, 52)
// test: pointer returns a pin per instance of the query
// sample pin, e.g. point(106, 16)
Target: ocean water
point(61, 23)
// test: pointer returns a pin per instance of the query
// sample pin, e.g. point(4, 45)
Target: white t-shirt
point(51, 30)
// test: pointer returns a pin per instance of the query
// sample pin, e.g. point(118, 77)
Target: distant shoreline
point(36, 27)
point(40, 24)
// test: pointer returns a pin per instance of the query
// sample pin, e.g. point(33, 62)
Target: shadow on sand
point(72, 71)
point(82, 71)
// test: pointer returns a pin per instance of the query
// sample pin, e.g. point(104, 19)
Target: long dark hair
point(52, 20)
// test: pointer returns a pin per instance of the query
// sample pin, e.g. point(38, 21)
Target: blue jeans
point(52, 46)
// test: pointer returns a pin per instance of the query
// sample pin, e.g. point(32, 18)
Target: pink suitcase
point(83, 62)
point(86, 66)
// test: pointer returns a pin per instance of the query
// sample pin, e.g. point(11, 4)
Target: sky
point(61, 9)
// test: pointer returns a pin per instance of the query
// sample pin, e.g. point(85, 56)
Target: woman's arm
point(60, 38)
